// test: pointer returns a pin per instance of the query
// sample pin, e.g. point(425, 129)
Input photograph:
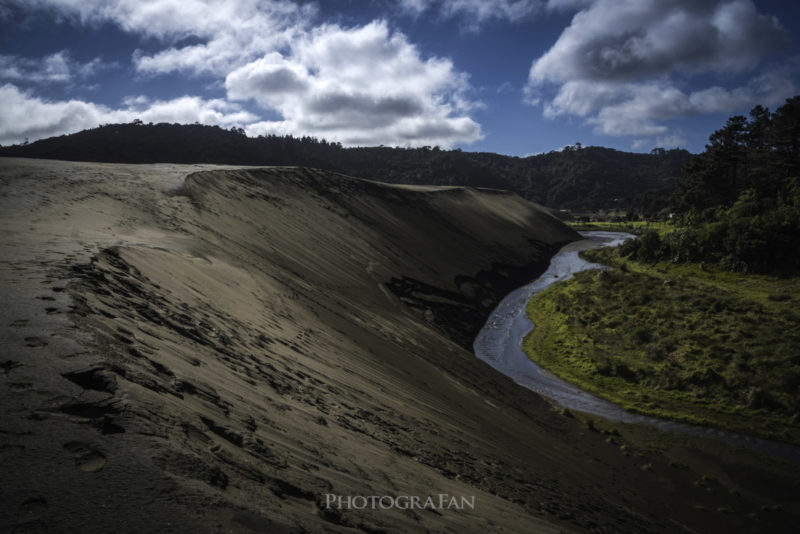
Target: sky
point(516, 77)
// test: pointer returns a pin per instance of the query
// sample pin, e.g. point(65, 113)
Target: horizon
point(408, 73)
point(577, 146)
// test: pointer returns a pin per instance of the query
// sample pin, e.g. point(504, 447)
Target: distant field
point(623, 226)
point(677, 341)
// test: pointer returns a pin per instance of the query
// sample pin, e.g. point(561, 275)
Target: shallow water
point(499, 343)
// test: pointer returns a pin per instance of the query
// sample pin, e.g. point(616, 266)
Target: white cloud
point(635, 114)
point(26, 116)
point(627, 39)
point(768, 89)
point(176, 19)
point(269, 80)
point(623, 64)
point(637, 108)
point(475, 12)
point(415, 7)
point(186, 110)
point(358, 86)
point(361, 85)
point(580, 98)
point(54, 68)
point(232, 32)
point(671, 141)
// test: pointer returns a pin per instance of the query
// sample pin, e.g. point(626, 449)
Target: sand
point(211, 349)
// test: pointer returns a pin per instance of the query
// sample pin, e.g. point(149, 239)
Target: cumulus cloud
point(54, 68)
point(24, 115)
point(176, 19)
point(637, 108)
point(618, 63)
point(362, 85)
point(627, 39)
point(232, 32)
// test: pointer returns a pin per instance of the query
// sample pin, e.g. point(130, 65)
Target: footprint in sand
point(86, 458)
point(19, 322)
point(30, 516)
point(35, 342)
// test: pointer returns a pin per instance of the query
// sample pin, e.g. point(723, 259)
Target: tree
point(760, 152)
point(786, 139)
point(741, 197)
point(726, 155)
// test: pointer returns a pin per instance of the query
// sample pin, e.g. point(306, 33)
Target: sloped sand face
point(199, 349)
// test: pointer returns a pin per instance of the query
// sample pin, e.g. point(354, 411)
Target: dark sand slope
point(217, 356)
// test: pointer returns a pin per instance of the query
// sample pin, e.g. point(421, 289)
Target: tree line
point(739, 204)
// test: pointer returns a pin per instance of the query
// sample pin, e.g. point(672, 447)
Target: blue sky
point(515, 77)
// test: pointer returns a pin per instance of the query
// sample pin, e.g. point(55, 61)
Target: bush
point(651, 247)
point(629, 247)
point(735, 241)
point(648, 248)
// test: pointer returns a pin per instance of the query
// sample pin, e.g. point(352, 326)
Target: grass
point(633, 227)
point(677, 341)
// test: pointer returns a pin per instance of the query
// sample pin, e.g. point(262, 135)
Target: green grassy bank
point(677, 341)
point(633, 227)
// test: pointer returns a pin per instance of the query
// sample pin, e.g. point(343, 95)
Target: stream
point(499, 343)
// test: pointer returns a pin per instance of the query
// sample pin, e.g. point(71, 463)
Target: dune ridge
point(224, 347)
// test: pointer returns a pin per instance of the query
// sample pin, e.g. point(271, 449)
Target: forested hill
point(578, 178)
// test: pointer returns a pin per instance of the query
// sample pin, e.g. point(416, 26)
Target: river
point(499, 343)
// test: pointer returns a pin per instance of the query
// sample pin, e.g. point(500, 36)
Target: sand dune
point(202, 349)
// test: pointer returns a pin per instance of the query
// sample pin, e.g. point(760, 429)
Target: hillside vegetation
point(677, 341)
point(590, 178)
point(739, 204)
point(685, 327)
